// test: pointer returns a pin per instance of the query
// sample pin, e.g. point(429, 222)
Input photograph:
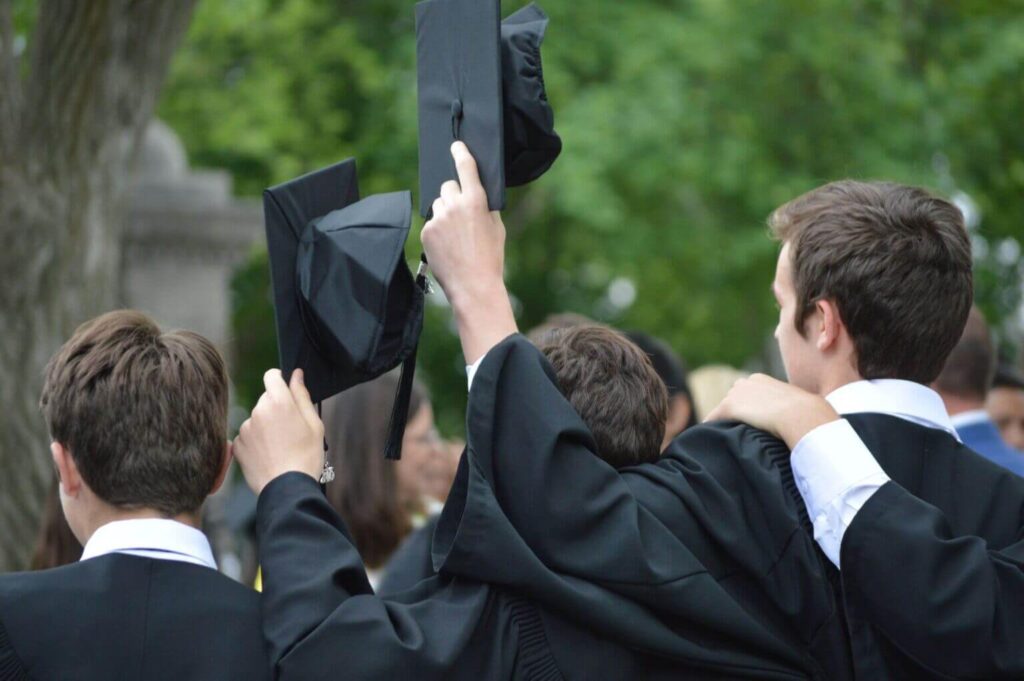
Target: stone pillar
point(184, 236)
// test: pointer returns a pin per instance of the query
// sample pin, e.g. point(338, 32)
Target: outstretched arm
point(465, 244)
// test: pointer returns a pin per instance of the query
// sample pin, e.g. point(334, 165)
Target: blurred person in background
point(1005, 405)
point(672, 370)
point(382, 501)
point(56, 544)
point(710, 384)
point(138, 421)
point(964, 385)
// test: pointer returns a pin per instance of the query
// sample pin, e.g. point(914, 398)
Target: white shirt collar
point(151, 538)
point(969, 418)
point(904, 399)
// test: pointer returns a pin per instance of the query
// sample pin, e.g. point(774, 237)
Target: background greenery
point(684, 122)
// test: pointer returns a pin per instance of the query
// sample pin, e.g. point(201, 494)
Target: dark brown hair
point(612, 386)
point(897, 263)
point(143, 413)
point(971, 366)
point(365, 493)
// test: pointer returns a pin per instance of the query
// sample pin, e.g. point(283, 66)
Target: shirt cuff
point(836, 475)
point(471, 371)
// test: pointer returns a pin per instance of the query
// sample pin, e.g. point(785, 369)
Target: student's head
point(967, 376)
point(1005, 404)
point(138, 419)
point(612, 386)
point(672, 370)
point(376, 497)
point(873, 281)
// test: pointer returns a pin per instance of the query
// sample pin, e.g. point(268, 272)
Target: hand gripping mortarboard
point(346, 306)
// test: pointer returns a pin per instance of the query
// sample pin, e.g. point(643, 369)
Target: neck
point(958, 405)
point(105, 513)
point(839, 376)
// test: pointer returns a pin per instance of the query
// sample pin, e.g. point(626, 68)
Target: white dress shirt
point(151, 538)
point(834, 471)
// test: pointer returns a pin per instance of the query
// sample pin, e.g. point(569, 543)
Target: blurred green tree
point(684, 123)
point(78, 84)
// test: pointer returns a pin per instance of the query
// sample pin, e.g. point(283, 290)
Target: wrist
point(812, 416)
point(280, 473)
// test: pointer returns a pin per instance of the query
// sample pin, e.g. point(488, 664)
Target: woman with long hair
point(380, 501)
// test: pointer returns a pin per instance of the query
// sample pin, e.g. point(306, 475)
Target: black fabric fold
point(511, 519)
point(11, 667)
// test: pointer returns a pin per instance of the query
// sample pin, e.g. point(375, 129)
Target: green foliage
point(684, 123)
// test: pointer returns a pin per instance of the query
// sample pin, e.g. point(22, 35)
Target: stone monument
point(185, 235)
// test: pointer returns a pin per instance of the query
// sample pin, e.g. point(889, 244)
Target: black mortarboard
point(346, 305)
point(531, 143)
point(458, 64)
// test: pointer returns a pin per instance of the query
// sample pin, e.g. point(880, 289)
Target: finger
point(262, 405)
point(438, 208)
point(273, 381)
point(450, 191)
point(469, 176)
point(303, 399)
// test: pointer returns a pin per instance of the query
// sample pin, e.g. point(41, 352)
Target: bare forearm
point(484, 318)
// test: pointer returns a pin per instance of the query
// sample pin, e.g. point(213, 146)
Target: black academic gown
point(322, 620)
point(713, 538)
point(124, 618)
point(953, 601)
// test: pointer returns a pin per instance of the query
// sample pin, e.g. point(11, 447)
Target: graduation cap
point(480, 80)
point(531, 143)
point(346, 306)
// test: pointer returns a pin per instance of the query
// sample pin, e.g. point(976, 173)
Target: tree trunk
point(70, 121)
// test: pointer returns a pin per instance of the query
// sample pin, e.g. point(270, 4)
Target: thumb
point(303, 400)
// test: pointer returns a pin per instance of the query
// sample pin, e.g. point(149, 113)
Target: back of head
point(539, 334)
point(612, 386)
point(971, 366)
point(366, 493)
point(897, 262)
point(143, 413)
point(670, 368)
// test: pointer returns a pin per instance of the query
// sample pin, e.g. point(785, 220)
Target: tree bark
point(71, 119)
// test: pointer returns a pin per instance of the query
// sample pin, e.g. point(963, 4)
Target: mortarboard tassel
point(400, 410)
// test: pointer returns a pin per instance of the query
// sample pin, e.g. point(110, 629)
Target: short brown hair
point(971, 366)
point(143, 413)
point(897, 263)
point(612, 386)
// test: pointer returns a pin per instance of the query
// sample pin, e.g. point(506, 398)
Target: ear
point(679, 409)
point(224, 468)
point(830, 325)
point(67, 469)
